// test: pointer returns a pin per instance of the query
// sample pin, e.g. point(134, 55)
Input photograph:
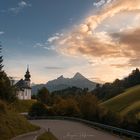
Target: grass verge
point(12, 124)
point(47, 136)
point(23, 105)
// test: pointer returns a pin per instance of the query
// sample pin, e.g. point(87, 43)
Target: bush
point(38, 109)
point(88, 105)
point(66, 107)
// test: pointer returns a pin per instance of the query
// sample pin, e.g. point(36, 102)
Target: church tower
point(27, 77)
point(24, 87)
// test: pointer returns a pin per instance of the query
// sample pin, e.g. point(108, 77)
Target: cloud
point(130, 42)
point(20, 6)
point(55, 37)
point(1, 32)
point(132, 62)
point(84, 40)
point(109, 1)
point(38, 45)
point(44, 45)
point(51, 39)
point(110, 53)
point(53, 67)
point(99, 3)
point(129, 38)
point(97, 79)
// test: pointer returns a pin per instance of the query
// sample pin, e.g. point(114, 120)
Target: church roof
point(21, 84)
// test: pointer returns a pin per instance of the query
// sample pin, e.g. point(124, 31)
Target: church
point(24, 87)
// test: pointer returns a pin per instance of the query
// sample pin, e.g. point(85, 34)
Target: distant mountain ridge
point(78, 80)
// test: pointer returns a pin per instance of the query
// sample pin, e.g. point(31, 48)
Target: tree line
point(109, 90)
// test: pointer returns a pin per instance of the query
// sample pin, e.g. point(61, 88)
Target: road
point(68, 130)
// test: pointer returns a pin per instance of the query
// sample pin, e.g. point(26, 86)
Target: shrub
point(38, 109)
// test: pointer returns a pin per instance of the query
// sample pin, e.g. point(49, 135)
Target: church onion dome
point(27, 75)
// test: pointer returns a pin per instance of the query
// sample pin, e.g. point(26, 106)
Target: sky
point(98, 38)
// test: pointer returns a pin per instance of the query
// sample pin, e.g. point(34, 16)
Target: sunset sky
point(98, 38)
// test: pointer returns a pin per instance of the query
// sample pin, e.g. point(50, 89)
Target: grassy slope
point(23, 105)
point(47, 136)
point(12, 124)
point(125, 103)
point(134, 108)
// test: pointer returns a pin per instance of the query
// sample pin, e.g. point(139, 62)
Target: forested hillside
point(109, 90)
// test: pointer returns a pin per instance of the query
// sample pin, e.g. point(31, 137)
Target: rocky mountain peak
point(78, 76)
point(61, 77)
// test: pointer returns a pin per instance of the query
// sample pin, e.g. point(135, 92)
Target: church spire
point(27, 75)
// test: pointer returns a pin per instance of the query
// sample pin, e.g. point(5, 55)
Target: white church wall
point(20, 95)
point(27, 94)
point(24, 95)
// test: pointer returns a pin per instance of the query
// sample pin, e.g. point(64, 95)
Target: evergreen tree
point(1, 60)
point(7, 91)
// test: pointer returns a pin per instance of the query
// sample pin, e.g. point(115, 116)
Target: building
point(24, 87)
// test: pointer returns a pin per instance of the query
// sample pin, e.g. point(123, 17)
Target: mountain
point(78, 76)
point(78, 80)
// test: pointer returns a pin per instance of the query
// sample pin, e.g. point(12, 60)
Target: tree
point(66, 107)
point(7, 91)
point(88, 105)
point(43, 96)
point(1, 59)
point(37, 109)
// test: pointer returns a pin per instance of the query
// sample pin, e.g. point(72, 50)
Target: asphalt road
point(68, 130)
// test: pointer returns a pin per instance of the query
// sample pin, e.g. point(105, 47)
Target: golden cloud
point(130, 42)
point(83, 40)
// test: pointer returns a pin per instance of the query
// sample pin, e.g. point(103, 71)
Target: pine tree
point(1, 60)
point(7, 91)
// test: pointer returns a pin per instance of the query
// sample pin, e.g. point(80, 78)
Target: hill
point(11, 123)
point(127, 103)
point(78, 80)
point(110, 90)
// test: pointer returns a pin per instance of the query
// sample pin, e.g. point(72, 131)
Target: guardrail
point(113, 129)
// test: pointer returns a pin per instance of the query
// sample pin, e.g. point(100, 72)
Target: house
point(24, 87)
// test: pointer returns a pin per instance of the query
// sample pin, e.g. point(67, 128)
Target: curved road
point(68, 130)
